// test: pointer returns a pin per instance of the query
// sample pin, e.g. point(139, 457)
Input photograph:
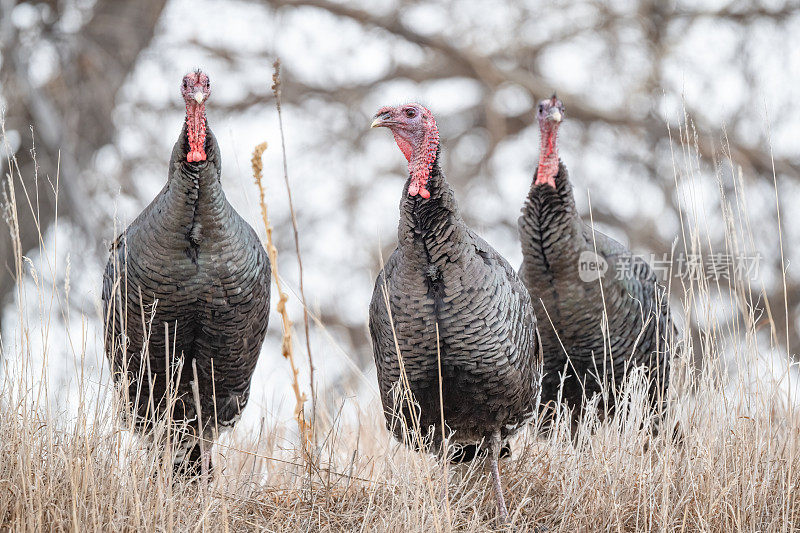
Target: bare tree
point(620, 108)
point(517, 61)
point(61, 117)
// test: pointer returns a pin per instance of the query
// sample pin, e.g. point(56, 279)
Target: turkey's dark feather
point(639, 328)
point(191, 264)
point(443, 273)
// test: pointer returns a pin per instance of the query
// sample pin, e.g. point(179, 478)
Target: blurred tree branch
point(446, 57)
point(485, 70)
point(70, 113)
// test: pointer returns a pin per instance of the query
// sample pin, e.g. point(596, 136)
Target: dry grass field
point(734, 467)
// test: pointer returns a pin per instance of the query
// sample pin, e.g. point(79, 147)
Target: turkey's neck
point(422, 154)
point(196, 131)
point(548, 155)
point(427, 221)
point(550, 228)
point(425, 190)
point(194, 190)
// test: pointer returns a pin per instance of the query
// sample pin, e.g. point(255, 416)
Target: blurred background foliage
point(91, 89)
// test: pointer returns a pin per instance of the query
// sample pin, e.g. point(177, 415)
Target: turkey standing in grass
point(443, 274)
point(600, 328)
point(191, 265)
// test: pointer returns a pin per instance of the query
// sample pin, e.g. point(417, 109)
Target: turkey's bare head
point(550, 114)
point(417, 135)
point(195, 89)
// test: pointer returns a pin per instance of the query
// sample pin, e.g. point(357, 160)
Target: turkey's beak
point(554, 115)
point(199, 97)
point(382, 120)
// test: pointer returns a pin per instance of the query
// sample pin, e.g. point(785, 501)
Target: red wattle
point(543, 178)
point(196, 133)
point(404, 145)
point(417, 186)
point(421, 160)
point(548, 158)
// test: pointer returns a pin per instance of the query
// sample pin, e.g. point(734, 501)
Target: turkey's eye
point(541, 108)
point(410, 113)
point(185, 83)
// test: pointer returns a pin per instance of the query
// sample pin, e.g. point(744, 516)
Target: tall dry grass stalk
point(737, 467)
point(276, 90)
point(286, 324)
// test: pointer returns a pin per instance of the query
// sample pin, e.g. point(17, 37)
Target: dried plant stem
point(276, 90)
point(445, 476)
point(286, 323)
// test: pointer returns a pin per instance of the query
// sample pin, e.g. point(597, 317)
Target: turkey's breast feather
point(187, 281)
point(443, 274)
point(593, 328)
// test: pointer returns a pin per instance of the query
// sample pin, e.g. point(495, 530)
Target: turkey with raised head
point(601, 310)
point(186, 298)
point(446, 306)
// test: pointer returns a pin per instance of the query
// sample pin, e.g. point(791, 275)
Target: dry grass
point(287, 347)
point(736, 467)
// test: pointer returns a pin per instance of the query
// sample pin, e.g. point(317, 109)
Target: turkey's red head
point(550, 114)
point(417, 135)
point(195, 89)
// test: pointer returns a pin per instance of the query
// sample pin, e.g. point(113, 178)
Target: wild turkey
point(443, 274)
point(560, 267)
point(191, 265)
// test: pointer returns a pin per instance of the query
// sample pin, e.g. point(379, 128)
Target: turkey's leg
point(205, 465)
point(205, 448)
point(494, 455)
